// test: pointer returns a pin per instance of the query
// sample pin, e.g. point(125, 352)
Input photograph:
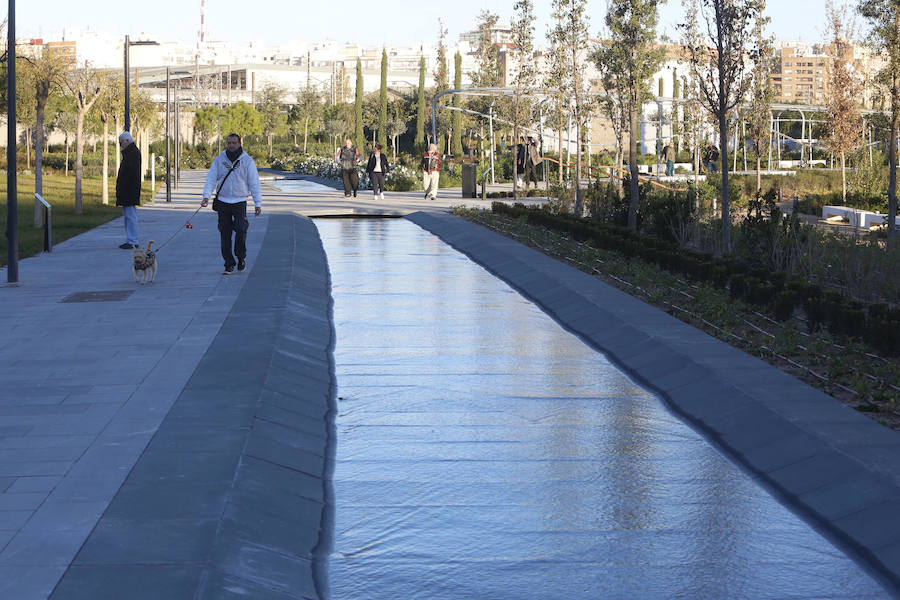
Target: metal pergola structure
point(806, 112)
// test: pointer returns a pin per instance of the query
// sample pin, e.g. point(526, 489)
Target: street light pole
point(168, 118)
point(128, 45)
point(127, 90)
point(177, 140)
point(12, 207)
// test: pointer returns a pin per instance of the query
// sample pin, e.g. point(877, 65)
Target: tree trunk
point(39, 159)
point(305, 132)
point(119, 154)
point(67, 155)
point(758, 172)
point(843, 178)
point(270, 145)
point(723, 161)
point(515, 162)
point(579, 207)
point(892, 185)
point(104, 186)
point(560, 146)
point(28, 133)
point(634, 132)
point(79, 159)
point(614, 174)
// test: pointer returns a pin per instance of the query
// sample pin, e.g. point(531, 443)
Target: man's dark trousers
point(530, 173)
point(233, 218)
point(351, 181)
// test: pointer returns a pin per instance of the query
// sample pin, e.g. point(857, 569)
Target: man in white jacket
point(233, 177)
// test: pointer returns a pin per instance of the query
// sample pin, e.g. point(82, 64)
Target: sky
point(364, 22)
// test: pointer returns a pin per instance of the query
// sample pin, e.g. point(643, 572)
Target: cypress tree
point(456, 124)
point(359, 137)
point(420, 110)
point(382, 100)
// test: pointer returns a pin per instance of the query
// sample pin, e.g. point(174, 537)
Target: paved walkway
point(138, 434)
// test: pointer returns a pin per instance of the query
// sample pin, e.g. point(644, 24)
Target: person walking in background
point(532, 158)
point(669, 156)
point(431, 172)
point(234, 172)
point(520, 160)
point(377, 169)
point(128, 188)
point(348, 157)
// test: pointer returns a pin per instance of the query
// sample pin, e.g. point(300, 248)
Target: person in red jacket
point(431, 172)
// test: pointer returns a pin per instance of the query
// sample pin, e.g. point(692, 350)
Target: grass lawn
point(59, 191)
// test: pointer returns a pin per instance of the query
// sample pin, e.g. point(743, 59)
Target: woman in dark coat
point(377, 170)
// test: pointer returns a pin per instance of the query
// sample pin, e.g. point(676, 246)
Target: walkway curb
point(835, 467)
point(230, 496)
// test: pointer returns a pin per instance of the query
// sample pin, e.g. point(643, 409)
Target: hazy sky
point(403, 23)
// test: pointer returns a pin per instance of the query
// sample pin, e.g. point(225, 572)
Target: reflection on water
point(483, 452)
point(299, 185)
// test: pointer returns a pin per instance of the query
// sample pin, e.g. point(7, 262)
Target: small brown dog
point(145, 262)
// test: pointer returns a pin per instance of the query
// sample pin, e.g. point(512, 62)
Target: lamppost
point(168, 120)
point(128, 45)
point(12, 208)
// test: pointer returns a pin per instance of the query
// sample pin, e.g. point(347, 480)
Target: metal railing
point(48, 234)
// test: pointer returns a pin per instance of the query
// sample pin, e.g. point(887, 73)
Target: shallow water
point(483, 452)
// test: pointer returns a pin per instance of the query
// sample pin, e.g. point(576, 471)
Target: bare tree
point(523, 107)
point(844, 89)
point(84, 85)
point(884, 19)
point(627, 61)
point(719, 66)
point(108, 105)
point(759, 113)
point(571, 35)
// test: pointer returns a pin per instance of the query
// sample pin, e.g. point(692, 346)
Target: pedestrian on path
point(431, 172)
point(128, 188)
point(233, 177)
point(669, 156)
point(532, 158)
point(377, 170)
point(348, 158)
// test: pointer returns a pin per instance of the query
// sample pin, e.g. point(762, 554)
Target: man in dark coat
point(128, 188)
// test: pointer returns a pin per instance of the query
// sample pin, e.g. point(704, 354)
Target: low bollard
point(48, 235)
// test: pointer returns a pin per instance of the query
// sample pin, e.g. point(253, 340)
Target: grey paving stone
point(134, 582)
point(21, 501)
point(14, 519)
point(29, 469)
point(288, 533)
point(873, 527)
point(137, 541)
point(62, 514)
point(841, 498)
point(28, 583)
point(251, 571)
point(188, 499)
point(40, 548)
point(261, 474)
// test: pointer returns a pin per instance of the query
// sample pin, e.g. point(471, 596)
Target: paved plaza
point(183, 439)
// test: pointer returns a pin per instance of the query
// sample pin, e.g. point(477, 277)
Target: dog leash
point(187, 225)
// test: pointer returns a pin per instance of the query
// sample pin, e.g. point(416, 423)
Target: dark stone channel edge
point(232, 497)
point(833, 466)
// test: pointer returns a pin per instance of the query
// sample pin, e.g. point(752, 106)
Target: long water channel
point(484, 452)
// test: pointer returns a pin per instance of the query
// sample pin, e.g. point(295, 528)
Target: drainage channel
point(484, 452)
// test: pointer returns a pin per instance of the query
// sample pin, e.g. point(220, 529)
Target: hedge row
point(775, 292)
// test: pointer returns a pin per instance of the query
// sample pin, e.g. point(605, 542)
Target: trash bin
point(468, 180)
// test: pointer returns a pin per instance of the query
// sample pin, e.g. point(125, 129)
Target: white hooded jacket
point(243, 182)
